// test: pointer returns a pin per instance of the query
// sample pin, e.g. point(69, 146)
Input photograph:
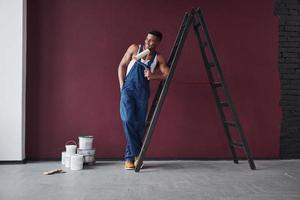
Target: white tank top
point(152, 66)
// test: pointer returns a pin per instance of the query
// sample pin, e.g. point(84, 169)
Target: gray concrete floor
point(159, 180)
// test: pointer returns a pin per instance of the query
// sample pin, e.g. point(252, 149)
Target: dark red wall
point(74, 48)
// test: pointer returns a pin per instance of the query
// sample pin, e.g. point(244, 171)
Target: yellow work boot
point(129, 165)
point(136, 161)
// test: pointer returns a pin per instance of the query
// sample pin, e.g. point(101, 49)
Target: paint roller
point(142, 54)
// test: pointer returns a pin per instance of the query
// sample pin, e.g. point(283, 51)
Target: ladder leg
point(215, 93)
point(172, 63)
point(244, 145)
point(154, 103)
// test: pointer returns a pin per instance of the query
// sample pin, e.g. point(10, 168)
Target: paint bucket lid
point(86, 136)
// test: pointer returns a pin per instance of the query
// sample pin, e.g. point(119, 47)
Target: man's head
point(153, 39)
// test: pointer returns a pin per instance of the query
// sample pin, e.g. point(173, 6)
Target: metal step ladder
point(217, 82)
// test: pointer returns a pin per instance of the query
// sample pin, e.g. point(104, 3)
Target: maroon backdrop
point(74, 48)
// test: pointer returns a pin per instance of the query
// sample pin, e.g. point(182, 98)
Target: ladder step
point(237, 145)
point(217, 84)
point(230, 123)
point(225, 104)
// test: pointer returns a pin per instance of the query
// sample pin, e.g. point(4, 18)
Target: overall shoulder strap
point(152, 59)
point(140, 48)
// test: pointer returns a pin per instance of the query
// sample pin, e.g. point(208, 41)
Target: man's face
point(151, 42)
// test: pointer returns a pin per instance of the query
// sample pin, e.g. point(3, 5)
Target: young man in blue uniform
point(134, 76)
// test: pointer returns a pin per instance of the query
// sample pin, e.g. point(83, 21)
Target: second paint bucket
point(86, 142)
point(76, 162)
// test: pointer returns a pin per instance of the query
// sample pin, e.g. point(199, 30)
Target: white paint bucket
point(63, 157)
point(76, 162)
point(86, 142)
point(67, 160)
point(71, 147)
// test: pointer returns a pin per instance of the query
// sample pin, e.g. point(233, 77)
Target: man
point(134, 76)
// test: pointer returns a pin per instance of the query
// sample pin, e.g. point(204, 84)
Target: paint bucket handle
point(71, 141)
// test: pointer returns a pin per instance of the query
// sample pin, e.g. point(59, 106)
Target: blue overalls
point(133, 106)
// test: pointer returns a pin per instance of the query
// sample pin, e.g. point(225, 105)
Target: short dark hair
point(158, 34)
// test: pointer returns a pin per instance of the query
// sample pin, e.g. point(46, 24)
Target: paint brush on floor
point(54, 172)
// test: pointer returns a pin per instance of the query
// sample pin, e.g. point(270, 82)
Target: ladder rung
point(217, 84)
point(225, 104)
point(237, 145)
point(230, 123)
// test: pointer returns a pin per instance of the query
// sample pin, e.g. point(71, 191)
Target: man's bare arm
point(164, 70)
point(124, 63)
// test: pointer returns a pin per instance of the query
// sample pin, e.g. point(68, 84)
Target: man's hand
point(148, 74)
